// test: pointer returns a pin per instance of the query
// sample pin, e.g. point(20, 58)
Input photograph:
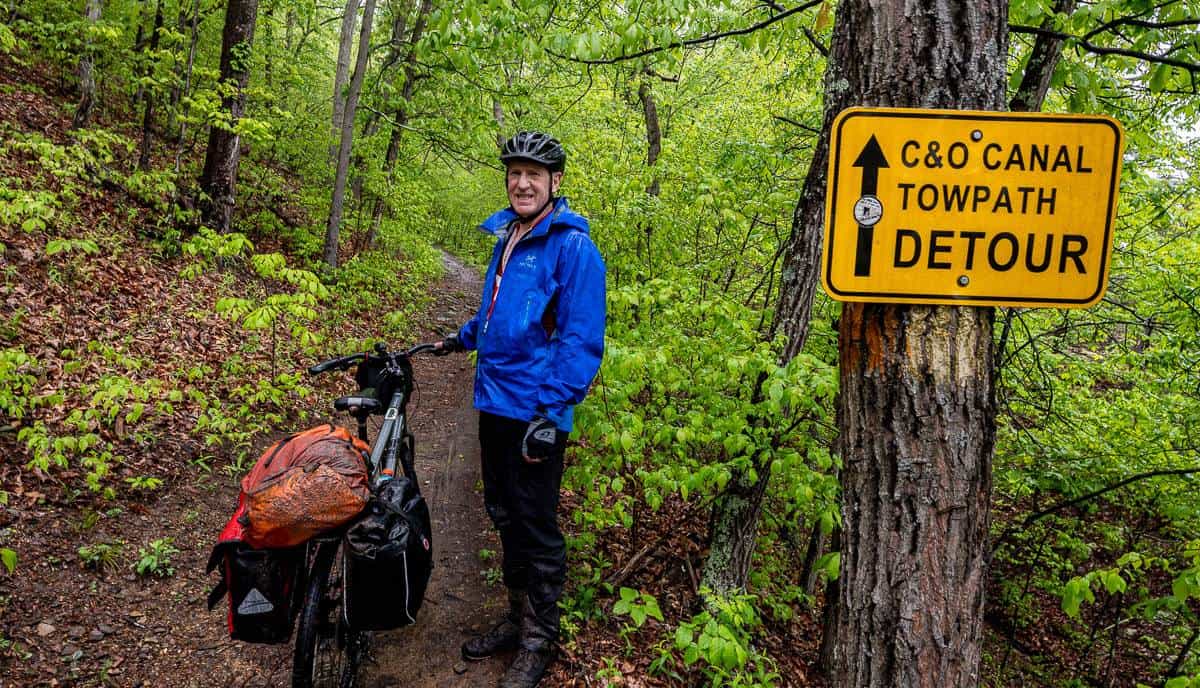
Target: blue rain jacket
point(554, 280)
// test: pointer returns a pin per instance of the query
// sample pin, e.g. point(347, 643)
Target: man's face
point(530, 186)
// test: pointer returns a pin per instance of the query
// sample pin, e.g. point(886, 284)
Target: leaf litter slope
point(65, 625)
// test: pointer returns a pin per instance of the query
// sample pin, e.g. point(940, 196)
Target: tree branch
point(1028, 520)
point(816, 43)
point(710, 38)
point(1191, 67)
point(794, 123)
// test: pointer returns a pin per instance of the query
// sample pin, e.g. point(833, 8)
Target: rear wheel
point(327, 652)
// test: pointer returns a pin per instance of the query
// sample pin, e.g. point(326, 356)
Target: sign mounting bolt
point(977, 136)
point(963, 280)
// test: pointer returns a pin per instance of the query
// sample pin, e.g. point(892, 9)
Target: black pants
point(522, 501)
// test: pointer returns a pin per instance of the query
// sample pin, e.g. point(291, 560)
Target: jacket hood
point(562, 216)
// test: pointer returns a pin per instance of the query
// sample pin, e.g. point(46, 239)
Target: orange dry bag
point(303, 485)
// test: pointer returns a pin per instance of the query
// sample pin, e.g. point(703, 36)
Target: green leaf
point(9, 558)
point(638, 615)
point(683, 637)
point(1113, 582)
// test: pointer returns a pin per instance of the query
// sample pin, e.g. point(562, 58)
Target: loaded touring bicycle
point(331, 535)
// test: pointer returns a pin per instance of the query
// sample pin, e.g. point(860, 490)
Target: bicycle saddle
point(358, 404)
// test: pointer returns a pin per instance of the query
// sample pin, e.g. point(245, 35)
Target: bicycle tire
point(327, 652)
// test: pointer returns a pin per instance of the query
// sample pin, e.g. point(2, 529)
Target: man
point(539, 334)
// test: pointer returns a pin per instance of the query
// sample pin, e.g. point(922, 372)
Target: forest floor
point(68, 625)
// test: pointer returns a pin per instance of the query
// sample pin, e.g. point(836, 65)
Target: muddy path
point(460, 599)
point(65, 625)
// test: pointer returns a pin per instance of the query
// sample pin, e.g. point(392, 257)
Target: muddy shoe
point(502, 638)
point(527, 669)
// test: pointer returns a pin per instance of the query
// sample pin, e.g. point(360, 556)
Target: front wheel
point(327, 652)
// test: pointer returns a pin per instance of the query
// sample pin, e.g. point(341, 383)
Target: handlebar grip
point(341, 363)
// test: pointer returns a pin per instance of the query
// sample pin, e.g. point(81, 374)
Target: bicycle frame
point(386, 451)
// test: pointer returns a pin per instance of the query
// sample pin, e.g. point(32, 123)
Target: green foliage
point(142, 482)
point(638, 606)
point(16, 382)
point(155, 560)
point(32, 211)
point(9, 558)
point(86, 246)
point(101, 556)
point(719, 641)
point(675, 410)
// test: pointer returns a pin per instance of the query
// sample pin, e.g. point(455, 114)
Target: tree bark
point(148, 115)
point(653, 148)
point(347, 140)
point(917, 407)
point(342, 74)
point(733, 535)
point(87, 77)
point(221, 158)
point(1043, 59)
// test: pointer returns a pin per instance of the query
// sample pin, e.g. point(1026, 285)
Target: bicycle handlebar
point(345, 362)
point(342, 363)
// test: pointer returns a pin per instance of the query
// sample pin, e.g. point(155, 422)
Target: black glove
point(449, 345)
point(541, 440)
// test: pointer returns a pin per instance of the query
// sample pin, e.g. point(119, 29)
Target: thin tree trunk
point(181, 24)
point(342, 74)
point(917, 407)
point(401, 118)
point(148, 115)
point(829, 618)
point(87, 77)
point(187, 85)
point(289, 27)
point(1043, 59)
point(733, 534)
point(343, 162)
point(139, 46)
point(221, 159)
point(269, 35)
point(498, 115)
point(653, 148)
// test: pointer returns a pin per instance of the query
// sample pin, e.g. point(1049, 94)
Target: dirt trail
point(64, 625)
point(459, 600)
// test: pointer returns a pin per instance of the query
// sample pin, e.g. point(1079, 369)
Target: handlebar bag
point(262, 585)
point(389, 558)
point(304, 485)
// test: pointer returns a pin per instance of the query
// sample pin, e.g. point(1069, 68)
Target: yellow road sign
point(970, 208)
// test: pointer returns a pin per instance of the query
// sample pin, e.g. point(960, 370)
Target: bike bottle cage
point(358, 404)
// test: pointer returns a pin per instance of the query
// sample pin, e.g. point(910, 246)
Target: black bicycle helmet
point(537, 147)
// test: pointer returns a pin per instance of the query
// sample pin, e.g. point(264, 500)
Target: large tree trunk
point(148, 115)
point(917, 405)
point(221, 159)
point(1039, 68)
point(87, 79)
point(343, 162)
point(342, 74)
point(401, 117)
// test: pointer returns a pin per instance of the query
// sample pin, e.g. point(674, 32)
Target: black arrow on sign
point(870, 159)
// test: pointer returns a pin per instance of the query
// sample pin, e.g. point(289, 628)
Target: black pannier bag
point(262, 587)
point(389, 557)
